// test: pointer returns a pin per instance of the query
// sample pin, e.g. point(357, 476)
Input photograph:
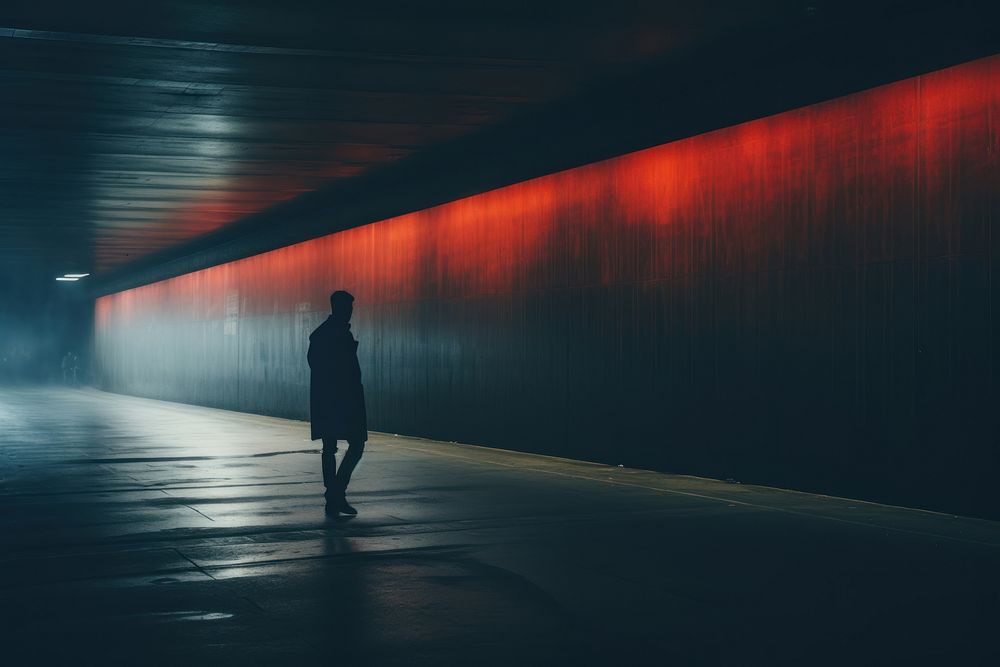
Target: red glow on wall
point(811, 187)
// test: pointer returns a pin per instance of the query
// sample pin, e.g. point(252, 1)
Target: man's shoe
point(344, 508)
point(331, 509)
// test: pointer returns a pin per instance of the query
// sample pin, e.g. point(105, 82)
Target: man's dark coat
point(336, 397)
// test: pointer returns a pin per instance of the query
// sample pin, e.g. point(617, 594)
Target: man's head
point(341, 306)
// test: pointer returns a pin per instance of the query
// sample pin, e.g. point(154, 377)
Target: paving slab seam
point(350, 557)
point(401, 528)
point(101, 577)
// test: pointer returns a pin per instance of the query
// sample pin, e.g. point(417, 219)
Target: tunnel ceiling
point(127, 129)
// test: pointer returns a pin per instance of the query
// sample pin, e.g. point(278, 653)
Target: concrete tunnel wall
point(806, 300)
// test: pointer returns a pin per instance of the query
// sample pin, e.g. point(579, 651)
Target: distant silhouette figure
point(70, 368)
point(337, 399)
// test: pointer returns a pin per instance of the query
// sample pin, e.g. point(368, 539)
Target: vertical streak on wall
point(805, 299)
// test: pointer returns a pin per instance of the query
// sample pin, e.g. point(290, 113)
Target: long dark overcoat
point(336, 397)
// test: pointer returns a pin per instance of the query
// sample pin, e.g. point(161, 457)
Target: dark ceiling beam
point(815, 59)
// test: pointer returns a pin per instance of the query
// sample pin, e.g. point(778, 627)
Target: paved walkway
point(142, 532)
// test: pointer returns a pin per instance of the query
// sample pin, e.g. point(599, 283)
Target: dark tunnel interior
point(499, 332)
point(41, 322)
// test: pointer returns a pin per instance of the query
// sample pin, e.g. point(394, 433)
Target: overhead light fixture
point(68, 279)
point(77, 275)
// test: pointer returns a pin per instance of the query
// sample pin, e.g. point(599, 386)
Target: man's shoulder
point(329, 332)
point(321, 331)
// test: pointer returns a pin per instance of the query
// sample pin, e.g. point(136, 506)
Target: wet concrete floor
point(142, 532)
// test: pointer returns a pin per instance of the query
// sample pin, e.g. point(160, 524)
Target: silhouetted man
point(337, 399)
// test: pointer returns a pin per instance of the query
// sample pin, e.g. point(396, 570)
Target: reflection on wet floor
point(186, 535)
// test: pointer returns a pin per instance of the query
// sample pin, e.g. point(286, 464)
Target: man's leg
point(330, 469)
point(355, 448)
